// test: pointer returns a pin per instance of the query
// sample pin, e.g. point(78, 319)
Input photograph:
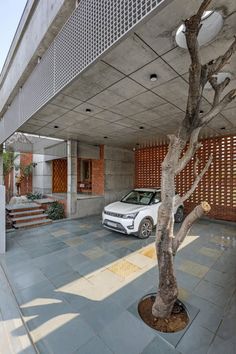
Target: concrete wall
point(119, 173)
point(42, 175)
point(90, 206)
point(40, 23)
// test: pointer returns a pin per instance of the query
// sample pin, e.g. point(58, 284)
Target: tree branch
point(229, 97)
point(217, 64)
point(180, 200)
point(197, 212)
point(218, 88)
point(192, 148)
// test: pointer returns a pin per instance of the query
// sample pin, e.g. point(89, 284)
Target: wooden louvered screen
point(59, 176)
point(218, 186)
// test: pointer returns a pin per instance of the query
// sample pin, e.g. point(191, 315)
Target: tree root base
point(177, 321)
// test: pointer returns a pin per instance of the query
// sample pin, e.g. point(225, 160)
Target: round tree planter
point(177, 321)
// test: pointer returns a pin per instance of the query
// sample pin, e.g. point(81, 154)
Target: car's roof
point(148, 189)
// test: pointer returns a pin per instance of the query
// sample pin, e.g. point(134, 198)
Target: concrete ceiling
point(126, 107)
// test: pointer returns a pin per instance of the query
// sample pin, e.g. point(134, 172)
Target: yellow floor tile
point(123, 268)
point(149, 252)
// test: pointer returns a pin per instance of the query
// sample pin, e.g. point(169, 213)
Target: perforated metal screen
point(94, 26)
point(218, 185)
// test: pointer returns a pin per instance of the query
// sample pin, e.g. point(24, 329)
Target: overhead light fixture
point(56, 126)
point(220, 78)
point(153, 77)
point(211, 24)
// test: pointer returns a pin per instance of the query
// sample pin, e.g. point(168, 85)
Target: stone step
point(21, 207)
point(29, 218)
point(19, 214)
point(25, 225)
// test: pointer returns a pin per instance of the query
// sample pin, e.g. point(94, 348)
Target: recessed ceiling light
point(56, 126)
point(220, 78)
point(212, 23)
point(153, 77)
point(88, 110)
point(141, 127)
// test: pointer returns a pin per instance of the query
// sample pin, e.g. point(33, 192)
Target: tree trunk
point(167, 292)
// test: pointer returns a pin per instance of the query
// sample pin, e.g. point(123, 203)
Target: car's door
point(154, 207)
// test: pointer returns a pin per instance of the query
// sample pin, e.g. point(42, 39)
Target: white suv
point(136, 213)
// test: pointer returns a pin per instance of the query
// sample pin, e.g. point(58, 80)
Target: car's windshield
point(141, 197)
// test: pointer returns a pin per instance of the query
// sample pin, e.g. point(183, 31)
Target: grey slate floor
point(77, 286)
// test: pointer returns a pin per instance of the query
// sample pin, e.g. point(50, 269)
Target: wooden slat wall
point(218, 186)
point(59, 176)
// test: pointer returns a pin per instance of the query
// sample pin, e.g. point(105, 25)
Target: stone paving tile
point(28, 279)
point(213, 293)
point(219, 346)
point(200, 344)
point(64, 279)
point(220, 278)
point(158, 345)
point(56, 268)
point(94, 346)
point(140, 260)
point(210, 252)
point(60, 232)
point(73, 242)
point(186, 280)
point(227, 328)
point(193, 268)
point(94, 253)
point(54, 303)
point(121, 252)
point(127, 334)
point(88, 267)
point(65, 338)
point(105, 279)
point(99, 315)
point(30, 293)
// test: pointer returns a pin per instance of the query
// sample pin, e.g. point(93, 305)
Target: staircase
point(27, 215)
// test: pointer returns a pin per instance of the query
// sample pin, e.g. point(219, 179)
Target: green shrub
point(34, 196)
point(56, 211)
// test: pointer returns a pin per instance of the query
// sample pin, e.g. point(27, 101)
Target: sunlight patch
point(124, 268)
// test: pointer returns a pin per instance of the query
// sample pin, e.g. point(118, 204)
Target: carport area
point(76, 286)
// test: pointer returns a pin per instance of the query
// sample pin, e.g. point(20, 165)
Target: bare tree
point(175, 160)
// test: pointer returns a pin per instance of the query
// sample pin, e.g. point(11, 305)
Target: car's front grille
point(114, 226)
point(113, 214)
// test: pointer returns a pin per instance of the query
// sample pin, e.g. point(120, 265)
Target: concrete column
point(1, 165)
point(2, 221)
point(71, 178)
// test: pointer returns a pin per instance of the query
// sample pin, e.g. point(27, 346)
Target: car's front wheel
point(145, 229)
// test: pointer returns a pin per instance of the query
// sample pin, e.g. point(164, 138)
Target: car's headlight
point(130, 216)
